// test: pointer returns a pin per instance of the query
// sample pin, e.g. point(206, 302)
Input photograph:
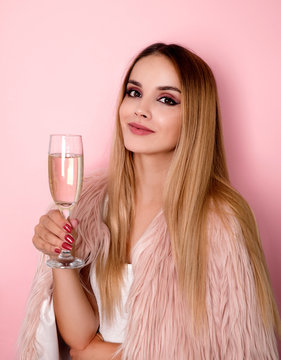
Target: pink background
point(61, 64)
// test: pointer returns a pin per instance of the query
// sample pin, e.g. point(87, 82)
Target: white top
point(46, 334)
point(114, 331)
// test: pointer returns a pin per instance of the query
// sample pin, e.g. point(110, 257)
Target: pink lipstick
point(138, 129)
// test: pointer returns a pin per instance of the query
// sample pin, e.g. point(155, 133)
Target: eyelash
point(167, 100)
point(129, 92)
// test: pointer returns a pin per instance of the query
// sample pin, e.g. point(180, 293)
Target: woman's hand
point(98, 349)
point(54, 233)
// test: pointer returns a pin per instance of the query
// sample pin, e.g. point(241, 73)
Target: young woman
point(175, 268)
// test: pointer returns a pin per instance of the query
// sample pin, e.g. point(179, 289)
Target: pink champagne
point(65, 178)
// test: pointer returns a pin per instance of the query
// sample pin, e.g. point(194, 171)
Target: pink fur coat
point(159, 326)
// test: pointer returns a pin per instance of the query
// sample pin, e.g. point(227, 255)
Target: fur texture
point(159, 324)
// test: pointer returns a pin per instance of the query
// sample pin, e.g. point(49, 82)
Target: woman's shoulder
point(221, 216)
point(229, 259)
point(95, 182)
point(92, 231)
point(224, 230)
point(93, 194)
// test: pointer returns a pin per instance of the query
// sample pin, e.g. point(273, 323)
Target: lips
point(139, 129)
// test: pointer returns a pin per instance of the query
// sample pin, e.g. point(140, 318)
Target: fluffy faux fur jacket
point(159, 326)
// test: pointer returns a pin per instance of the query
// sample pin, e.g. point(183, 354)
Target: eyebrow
point(159, 87)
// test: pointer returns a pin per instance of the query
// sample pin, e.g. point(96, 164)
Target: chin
point(148, 146)
point(138, 149)
point(146, 150)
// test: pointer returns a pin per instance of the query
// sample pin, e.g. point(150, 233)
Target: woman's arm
point(98, 350)
point(76, 311)
point(234, 315)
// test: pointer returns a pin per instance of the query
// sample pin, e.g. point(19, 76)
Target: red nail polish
point(66, 246)
point(69, 239)
point(68, 228)
point(57, 250)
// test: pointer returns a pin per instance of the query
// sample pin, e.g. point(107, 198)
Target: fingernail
point(68, 228)
point(57, 250)
point(69, 238)
point(66, 246)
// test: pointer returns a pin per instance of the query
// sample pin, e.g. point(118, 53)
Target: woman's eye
point(133, 93)
point(167, 100)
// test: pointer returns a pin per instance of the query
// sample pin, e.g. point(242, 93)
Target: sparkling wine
point(65, 178)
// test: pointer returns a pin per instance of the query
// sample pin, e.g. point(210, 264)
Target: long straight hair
point(197, 178)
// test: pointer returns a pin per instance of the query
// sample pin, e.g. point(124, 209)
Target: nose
point(142, 110)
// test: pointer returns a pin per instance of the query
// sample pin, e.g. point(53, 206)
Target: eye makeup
point(167, 99)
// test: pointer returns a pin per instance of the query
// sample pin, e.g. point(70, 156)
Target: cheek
point(174, 130)
point(178, 126)
point(176, 135)
point(124, 110)
point(172, 124)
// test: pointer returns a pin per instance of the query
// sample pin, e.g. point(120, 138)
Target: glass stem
point(65, 255)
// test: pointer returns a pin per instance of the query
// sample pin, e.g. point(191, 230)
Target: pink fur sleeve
point(235, 323)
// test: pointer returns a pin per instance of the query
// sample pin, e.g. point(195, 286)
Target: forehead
point(155, 69)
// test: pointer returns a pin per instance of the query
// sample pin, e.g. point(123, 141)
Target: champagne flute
point(65, 165)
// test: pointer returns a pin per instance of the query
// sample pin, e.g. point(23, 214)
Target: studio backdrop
point(61, 66)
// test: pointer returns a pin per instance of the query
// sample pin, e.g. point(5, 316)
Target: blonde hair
point(197, 176)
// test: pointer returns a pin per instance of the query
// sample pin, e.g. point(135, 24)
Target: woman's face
point(150, 113)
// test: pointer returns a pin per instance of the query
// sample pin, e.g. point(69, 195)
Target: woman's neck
point(151, 173)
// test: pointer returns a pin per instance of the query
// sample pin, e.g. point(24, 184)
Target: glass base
point(65, 262)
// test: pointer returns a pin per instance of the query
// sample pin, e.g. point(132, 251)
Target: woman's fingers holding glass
point(74, 223)
point(65, 229)
point(46, 241)
point(68, 228)
point(45, 247)
point(55, 223)
point(54, 233)
point(56, 217)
